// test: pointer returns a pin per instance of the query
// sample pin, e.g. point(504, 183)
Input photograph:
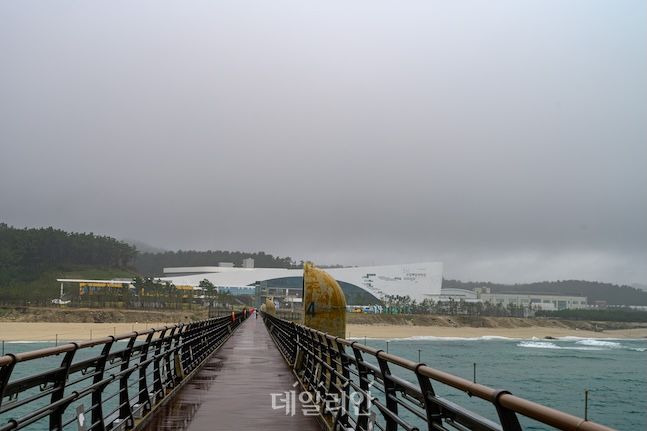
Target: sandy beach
point(405, 331)
point(45, 331)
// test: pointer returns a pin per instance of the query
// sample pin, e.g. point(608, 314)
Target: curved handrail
point(304, 348)
point(143, 374)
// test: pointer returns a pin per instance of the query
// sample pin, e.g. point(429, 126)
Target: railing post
point(434, 416)
point(321, 359)
point(300, 351)
point(212, 335)
point(200, 344)
point(333, 378)
point(190, 343)
point(306, 355)
point(293, 340)
point(97, 394)
point(365, 406)
point(269, 325)
point(169, 381)
point(178, 364)
point(341, 417)
point(158, 385)
point(323, 375)
point(5, 374)
point(508, 418)
point(389, 392)
point(125, 410)
point(209, 336)
point(144, 398)
point(56, 415)
point(188, 338)
point(311, 368)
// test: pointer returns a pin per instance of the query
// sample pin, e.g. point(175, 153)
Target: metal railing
point(111, 383)
point(361, 388)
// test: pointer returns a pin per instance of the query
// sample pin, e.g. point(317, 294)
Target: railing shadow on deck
point(112, 383)
point(361, 388)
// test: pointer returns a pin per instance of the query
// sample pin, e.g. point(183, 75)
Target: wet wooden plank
point(233, 390)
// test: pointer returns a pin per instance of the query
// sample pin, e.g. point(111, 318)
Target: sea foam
point(549, 345)
point(539, 345)
point(598, 343)
point(436, 338)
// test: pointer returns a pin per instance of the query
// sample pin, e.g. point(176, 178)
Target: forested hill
point(32, 259)
point(26, 255)
point(593, 290)
point(152, 264)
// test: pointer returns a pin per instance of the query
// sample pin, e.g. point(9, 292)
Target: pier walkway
point(231, 373)
point(233, 389)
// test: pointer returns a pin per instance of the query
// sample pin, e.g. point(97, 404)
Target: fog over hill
point(33, 258)
point(143, 247)
point(505, 139)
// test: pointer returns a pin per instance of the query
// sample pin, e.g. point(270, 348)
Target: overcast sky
point(507, 139)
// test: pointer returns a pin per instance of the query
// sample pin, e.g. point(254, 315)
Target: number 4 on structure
point(311, 309)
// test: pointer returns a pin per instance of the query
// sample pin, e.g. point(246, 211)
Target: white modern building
point(418, 280)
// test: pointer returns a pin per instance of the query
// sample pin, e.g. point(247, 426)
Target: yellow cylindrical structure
point(323, 301)
point(270, 308)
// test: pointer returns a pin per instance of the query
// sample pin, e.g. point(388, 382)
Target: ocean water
point(551, 372)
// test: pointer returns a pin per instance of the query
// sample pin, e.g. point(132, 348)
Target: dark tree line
point(396, 304)
point(613, 294)
point(27, 253)
point(31, 260)
point(152, 264)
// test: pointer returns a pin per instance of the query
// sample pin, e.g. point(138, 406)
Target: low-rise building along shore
point(536, 301)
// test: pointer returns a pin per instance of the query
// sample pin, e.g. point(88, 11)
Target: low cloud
point(504, 142)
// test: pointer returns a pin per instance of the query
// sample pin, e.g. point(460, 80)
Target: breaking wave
point(581, 344)
point(435, 338)
point(549, 345)
point(600, 343)
point(539, 345)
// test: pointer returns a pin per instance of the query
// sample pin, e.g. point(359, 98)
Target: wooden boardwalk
point(233, 390)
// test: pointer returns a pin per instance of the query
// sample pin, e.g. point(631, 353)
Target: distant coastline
point(66, 331)
point(404, 326)
point(50, 324)
point(529, 332)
